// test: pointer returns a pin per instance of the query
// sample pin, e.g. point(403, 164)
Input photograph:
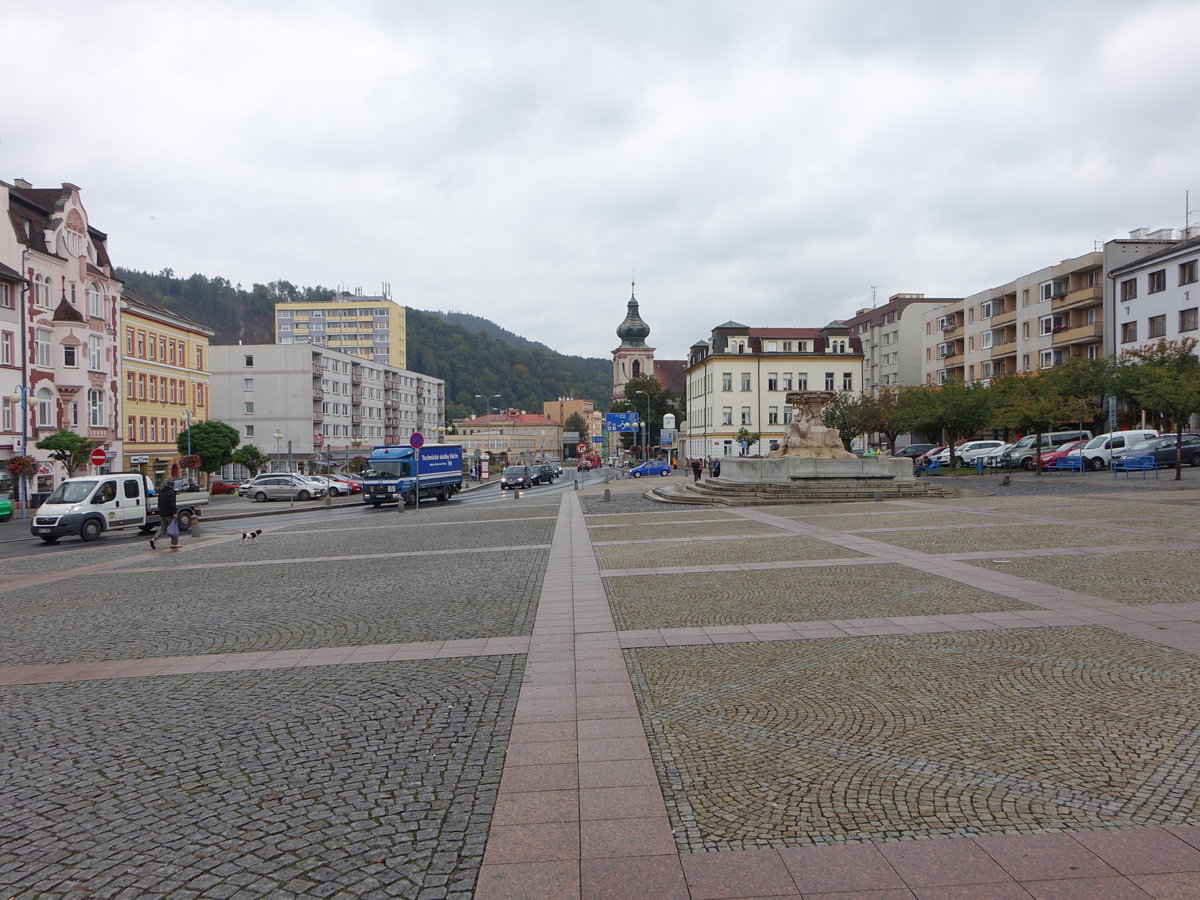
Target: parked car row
point(1164, 449)
point(514, 477)
point(292, 486)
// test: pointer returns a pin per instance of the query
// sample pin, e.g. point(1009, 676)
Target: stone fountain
point(812, 465)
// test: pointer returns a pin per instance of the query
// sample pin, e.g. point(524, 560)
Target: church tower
point(633, 357)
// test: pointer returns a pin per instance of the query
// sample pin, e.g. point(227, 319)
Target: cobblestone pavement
point(375, 780)
point(564, 696)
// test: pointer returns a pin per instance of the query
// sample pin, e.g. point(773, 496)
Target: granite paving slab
point(723, 552)
point(1145, 577)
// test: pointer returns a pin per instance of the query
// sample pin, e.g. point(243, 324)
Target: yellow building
point(373, 328)
point(562, 409)
point(524, 437)
point(165, 383)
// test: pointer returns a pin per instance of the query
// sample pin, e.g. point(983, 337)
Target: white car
point(967, 452)
point(1098, 452)
point(993, 458)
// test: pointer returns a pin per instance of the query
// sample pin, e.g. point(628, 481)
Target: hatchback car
point(221, 486)
point(545, 473)
point(651, 467)
point(514, 477)
point(1163, 450)
point(912, 451)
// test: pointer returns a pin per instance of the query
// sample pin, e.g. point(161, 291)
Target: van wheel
point(146, 529)
point(90, 530)
point(442, 498)
point(1095, 464)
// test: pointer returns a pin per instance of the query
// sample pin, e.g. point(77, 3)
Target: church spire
point(633, 331)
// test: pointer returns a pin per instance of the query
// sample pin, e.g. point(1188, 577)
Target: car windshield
point(514, 470)
point(72, 492)
point(1096, 442)
point(386, 468)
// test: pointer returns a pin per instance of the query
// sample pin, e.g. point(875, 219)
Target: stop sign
point(99, 457)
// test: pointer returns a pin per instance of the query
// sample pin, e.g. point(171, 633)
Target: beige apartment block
point(525, 437)
point(740, 378)
point(371, 328)
point(891, 336)
point(564, 407)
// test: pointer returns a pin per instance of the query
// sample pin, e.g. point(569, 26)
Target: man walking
point(697, 465)
point(166, 514)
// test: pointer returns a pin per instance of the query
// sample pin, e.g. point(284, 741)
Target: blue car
point(651, 467)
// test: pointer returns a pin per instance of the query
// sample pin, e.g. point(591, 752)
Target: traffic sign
point(417, 441)
point(99, 456)
point(581, 448)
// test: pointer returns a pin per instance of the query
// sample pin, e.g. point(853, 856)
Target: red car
point(1062, 451)
point(221, 486)
point(351, 486)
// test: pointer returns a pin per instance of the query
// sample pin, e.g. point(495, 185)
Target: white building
point(891, 337)
point(325, 405)
point(1156, 297)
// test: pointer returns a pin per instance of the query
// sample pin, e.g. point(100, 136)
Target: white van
point(966, 452)
point(93, 504)
point(1098, 452)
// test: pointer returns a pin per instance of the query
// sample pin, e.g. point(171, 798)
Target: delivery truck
point(93, 504)
point(401, 473)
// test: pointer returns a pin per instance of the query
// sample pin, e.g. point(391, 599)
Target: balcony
point(1008, 317)
point(356, 420)
point(952, 362)
point(356, 379)
point(952, 334)
point(318, 418)
point(318, 393)
point(356, 397)
point(1088, 296)
point(318, 370)
point(1080, 334)
point(1004, 348)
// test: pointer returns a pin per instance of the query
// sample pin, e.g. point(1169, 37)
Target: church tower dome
point(633, 358)
point(634, 330)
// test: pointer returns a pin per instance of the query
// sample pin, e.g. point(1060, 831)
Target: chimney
point(22, 183)
point(1139, 234)
point(1163, 234)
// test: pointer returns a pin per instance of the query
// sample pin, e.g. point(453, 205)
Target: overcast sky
point(767, 162)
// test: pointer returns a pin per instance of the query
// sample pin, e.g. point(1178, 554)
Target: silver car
point(282, 487)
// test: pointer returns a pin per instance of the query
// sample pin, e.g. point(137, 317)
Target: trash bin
point(37, 499)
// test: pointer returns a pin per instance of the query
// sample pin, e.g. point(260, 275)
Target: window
point(829, 379)
point(248, 407)
point(95, 404)
point(249, 362)
point(171, 352)
point(141, 344)
point(1156, 281)
point(41, 346)
point(153, 388)
point(745, 381)
point(727, 415)
point(745, 415)
point(153, 430)
point(787, 381)
point(1093, 315)
point(95, 308)
point(1128, 332)
point(247, 384)
point(1187, 272)
point(130, 391)
point(172, 383)
point(45, 408)
point(847, 381)
point(1156, 327)
point(1025, 297)
point(773, 381)
point(772, 346)
point(142, 429)
point(6, 348)
point(70, 359)
point(787, 345)
point(1129, 289)
point(153, 348)
point(141, 387)
point(131, 429)
point(727, 382)
point(787, 415)
point(772, 415)
point(986, 369)
point(1187, 319)
point(1052, 289)
point(801, 382)
point(162, 349)
point(985, 340)
point(129, 341)
point(95, 353)
point(1050, 359)
point(6, 295)
point(200, 358)
point(1051, 324)
point(249, 431)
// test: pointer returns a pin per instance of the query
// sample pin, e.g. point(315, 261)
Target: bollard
point(607, 495)
point(517, 494)
point(1006, 481)
point(576, 485)
point(399, 502)
point(328, 499)
point(979, 466)
point(879, 495)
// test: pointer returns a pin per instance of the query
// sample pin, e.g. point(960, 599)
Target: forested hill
point(472, 354)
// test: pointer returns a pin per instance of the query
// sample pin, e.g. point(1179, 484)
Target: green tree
point(747, 438)
point(844, 414)
point(251, 457)
point(212, 441)
point(882, 414)
point(68, 448)
point(1166, 380)
point(947, 412)
point(1033, 404)
point(576, 423)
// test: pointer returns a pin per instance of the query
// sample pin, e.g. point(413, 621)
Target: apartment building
point(525, 437)
point(564, 407)
point(164, 370)
point(371, 328)
point(740, 378)
point(320, 404)
point(891, 336)
point(58, 326)
point(1036, 321)
point(1157, 297)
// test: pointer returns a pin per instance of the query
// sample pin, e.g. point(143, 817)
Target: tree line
point(1160, 382)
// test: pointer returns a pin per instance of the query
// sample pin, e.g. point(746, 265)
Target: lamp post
point(646, 428)
point(19, 395)
point(278, 452)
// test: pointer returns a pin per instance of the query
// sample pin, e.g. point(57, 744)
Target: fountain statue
point(809, 437)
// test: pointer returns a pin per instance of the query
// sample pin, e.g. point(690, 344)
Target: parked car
point(1055, 455)
point(1098, 452)
point(352, 485)
point(282, 487)
point(221, 486)
point(1163, 450)
point(912, 451)
point(332, 486)
point(1023, 452)
point(967, 452)
point(6, 506)
point(182, 485)
point(994, 457)
point(514, 477)
point(544, 473)
point(651, 467)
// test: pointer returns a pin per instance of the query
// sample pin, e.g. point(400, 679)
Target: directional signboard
point(621, 421)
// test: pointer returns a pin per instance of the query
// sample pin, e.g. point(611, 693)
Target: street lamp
point(278, 453)
point(19, 395)
point(646, 430)
point(488, 400)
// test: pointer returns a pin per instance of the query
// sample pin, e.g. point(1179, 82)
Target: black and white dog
point(251, 535)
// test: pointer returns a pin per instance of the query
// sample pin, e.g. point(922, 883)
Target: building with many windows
point(318, 404)
point(58, 326)
point(164, 374)
point(368, 327)
point(740, 378)
point(525, 437)
point(891, 339)
point(1156, 297)
point(634, 357)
